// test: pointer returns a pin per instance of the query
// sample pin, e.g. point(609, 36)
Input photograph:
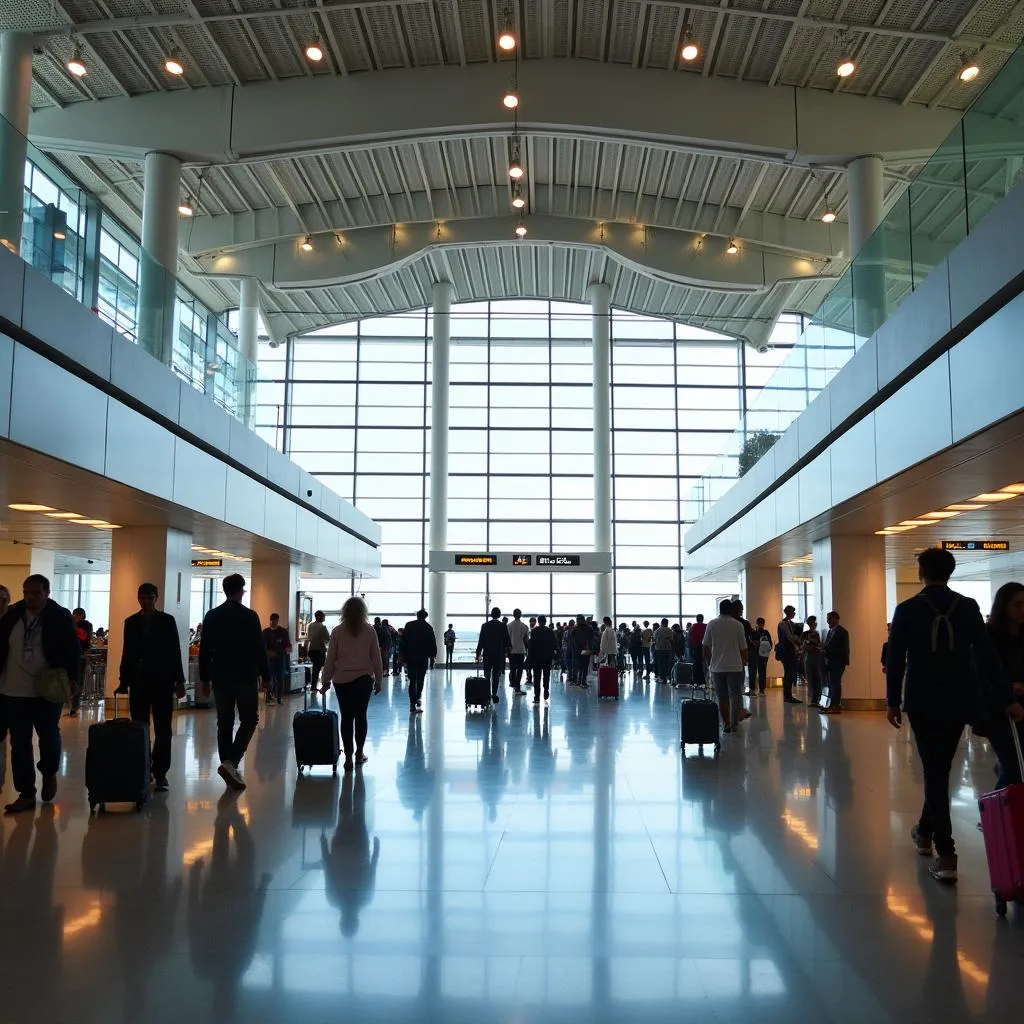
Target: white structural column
point(440, 394)
point(901, 583)
point(274, 588)
point(761, 593)
point(849, 578)
point(248, 345)
point(15, 101)
point(866, 190)
point(600, 308)
point(148, 554)
point(159, 263)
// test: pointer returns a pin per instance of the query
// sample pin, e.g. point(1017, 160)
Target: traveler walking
point(383, 631)
point(449, 645)
point(37, 640)
point(636, 649)
point(836, 649)
point(419, 647)
point(543, 645)
point(664, 642)
point(355, 669)
point(725, 650)
point(493, 645)
point(788, 651)
point(152, 675)
point(318, 636)
point(737, 610)
point(83, 628)
point(697, 632)
point(814, 664)
point(608, 648)
point(647, 638)
point(233, 660)
point(279, 646)
point(938, 639)
point(761, 652)
point(583, 650)
point(519, 635)
point(528, 665)
point(1005, 629)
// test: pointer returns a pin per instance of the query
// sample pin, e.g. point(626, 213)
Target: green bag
point(53, 684)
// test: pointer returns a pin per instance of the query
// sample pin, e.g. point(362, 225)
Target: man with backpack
point(938, 637)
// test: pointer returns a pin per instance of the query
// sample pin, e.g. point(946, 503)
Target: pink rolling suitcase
point(608, 682)
point(1002, 824)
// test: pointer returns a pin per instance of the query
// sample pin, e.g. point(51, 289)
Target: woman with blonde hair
point(354, 667)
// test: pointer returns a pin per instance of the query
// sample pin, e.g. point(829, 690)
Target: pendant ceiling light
point(175, 64)
point(76, 64)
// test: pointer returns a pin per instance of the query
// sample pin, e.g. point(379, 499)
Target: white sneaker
point(230, 774)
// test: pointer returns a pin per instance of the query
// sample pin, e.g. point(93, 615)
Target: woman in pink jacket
point(354, 667)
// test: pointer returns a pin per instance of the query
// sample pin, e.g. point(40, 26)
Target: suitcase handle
point(305, 698)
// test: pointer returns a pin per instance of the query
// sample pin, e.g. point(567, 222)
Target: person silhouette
point(415, 783)
point(350, 860)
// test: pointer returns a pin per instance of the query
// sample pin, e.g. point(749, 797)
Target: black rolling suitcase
point(317, 736)
point(117, 768)
point(682, 674)
point(699, 723)
point(478, 693)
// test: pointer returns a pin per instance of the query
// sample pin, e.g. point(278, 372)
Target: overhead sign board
point(975, 545)
point(520, 561)
point(207, 563)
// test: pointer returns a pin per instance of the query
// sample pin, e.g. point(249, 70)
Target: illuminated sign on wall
point(558, 560)
point(521, 560)
point(476, 559)
point(975, 545)
point(207, 563)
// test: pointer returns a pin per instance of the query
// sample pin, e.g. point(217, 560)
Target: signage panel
point(522, 560)
point(558, 561)
point(975, 545)
point(207, 563)
point(476, 560)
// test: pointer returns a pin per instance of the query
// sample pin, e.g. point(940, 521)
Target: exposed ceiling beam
point(565, 98)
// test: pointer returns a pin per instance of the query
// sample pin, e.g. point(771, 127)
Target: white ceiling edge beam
point(559, 97)
point(364, 255)
point(224, 232)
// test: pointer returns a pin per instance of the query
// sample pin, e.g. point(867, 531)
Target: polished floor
point(530, 865)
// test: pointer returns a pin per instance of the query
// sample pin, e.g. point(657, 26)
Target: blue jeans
point(21, 716)
point(663, 664)
point(729, 690)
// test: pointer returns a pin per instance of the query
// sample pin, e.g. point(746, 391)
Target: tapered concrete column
point(273, 588)
point(440, 398)
point(159, 263)
point(15, 104)
point(148, 554)
point(849, 578)
point(248, 347)
point(761, 593)
point(600, 308)
point(866, 189)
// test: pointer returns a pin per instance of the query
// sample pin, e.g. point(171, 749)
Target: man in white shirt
point(725, 651)
point(519, 634)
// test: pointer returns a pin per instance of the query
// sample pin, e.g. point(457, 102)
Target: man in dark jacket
point(543, 645)
point(836, 649)
point(151, 673)
point(938, 637)
point(83, 628)
point(36, 634)
point(233, 658)
point(494, 644)
point(419, 648)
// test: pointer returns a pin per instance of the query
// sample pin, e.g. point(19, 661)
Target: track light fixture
point(315, 51)
point(185, 208)
point(76, 63)
point(732, 248)
point(691, 48)
point(306, 245)
point(175, 63)
point(846, 67)
point(521, 228)
point(969, 69)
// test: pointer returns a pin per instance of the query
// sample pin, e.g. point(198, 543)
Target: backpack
point(764, 648)
point(943, 666)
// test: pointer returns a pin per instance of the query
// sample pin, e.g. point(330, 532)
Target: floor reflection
point(531, 865)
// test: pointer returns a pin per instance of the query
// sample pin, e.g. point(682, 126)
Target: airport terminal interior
point(662, 312)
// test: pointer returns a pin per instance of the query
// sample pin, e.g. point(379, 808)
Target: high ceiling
point(674, 184)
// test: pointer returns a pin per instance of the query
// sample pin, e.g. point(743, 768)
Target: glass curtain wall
point(352, 406)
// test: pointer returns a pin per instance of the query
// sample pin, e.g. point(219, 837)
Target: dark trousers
point(448, 652)
point(648, 659)
point(515, 670)
point(789, 667)
point(76, 697)
point(276, 680)
point(417, 676)
point(145, 700)
point(493, 668)
point(937, 741)
point(353, 700)
point(663, 664)
point(699, 677)
point(1001, 740)
point(582, 668)
point(245, 697)
point(759, 668)
point(541, 673)
point(814, 671)
point(637, 657)
point(316, 659)
point(834, 674)
point(21, 716)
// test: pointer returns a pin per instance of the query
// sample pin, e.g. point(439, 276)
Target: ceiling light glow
point(732, 248)
point(969, 72)
point(315, 51)
point(829, 216)
point(507, 39)
point(76, 64)
point(963, 508)
point(996, 496)
point(515, 170)
point(690, 51)
point(521, 229)
point(306, 245)
point(944, 514)
point(846, 67)
point(63, 515)
point(510, 99)
point(185, 208)
point(28, 507)
point(174, 64)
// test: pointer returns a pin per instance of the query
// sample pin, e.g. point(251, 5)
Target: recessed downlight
point(846, 67)
point(1013, 489)
point(964, 507)
point(944, 514)
point(28, 507)
point(63, 515)
point(994, 496)
point(915, 522)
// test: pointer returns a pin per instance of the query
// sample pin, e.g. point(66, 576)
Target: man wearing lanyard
point(35, 634)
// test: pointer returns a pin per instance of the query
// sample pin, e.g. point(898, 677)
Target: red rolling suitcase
point(1002, 824)
point(608, 682)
